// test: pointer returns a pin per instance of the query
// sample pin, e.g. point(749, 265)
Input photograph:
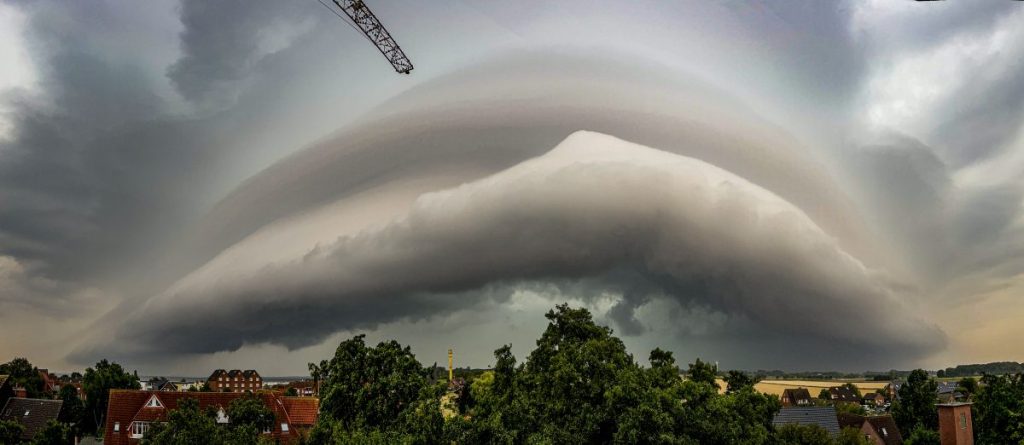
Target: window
point(117, 427)
point(26, 412)
point(139, 429)
point(884, 432)
point(222, 417)
point(154, 403)
point(963, 421)
point(284, 428)
point(267, 430)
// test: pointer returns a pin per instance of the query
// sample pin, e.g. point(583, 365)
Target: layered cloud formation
point(595, 209)
point(793, 186)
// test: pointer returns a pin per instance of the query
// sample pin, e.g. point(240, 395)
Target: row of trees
point(579, 385)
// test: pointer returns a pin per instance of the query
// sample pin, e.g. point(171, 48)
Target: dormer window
point(222, 417)
point(154, 403)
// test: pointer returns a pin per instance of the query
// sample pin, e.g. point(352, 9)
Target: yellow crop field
point(814, 386)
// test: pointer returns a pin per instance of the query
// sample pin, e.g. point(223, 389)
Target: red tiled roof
point(302, 410)
point(127, 406)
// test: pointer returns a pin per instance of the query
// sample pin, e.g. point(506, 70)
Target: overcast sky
point(189, 185)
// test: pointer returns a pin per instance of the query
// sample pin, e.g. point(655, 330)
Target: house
point(880, 430)
point(796, 397)
point(844, 393)
point(874, 399)
point(823, 416)
point(160, 384)
point(51, 383)
point(131, 412)
point(33, 414)
point(947, 392)
point(235, 381)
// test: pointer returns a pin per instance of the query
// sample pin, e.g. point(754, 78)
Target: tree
point(21, 373)
point(967, 386)
point(250, 412)
point(10, 431)
point(921, 435)
point(852, 436)
point(205, 387)
point(941, 373)
point(793, 434)
point(738, 380)
point(851, 408)
point(369, 388)
point(72, 410)
point(291, 392)
point(703, 372)
point(825, 394)
point(54, 433)
point(97, 384)
point(916, 403)
point(999, 410)
point(185, 425)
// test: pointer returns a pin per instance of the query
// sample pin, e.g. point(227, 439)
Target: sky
point(191, 185)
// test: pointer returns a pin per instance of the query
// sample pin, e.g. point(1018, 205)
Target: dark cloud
point(591, 207)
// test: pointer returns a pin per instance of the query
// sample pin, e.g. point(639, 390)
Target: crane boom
point(374, 30)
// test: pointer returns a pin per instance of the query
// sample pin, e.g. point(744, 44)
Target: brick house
point(880, 430)
point(796, 397)
point(235, 381)
point(130, 412)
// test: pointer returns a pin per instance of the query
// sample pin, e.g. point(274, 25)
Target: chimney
point(955, 424)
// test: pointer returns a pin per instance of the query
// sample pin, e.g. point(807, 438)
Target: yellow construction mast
point(450, 366)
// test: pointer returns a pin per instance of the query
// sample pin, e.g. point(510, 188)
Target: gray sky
point(800, 185)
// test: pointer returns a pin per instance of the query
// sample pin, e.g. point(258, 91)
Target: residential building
point(796, 397)
point(844, 393)
point(130, 413)
point(880, 430)
point(33, 414)
point(874, 399)
point(160, 384)
point(955, 426)
point(823, 416)
point(235, 381)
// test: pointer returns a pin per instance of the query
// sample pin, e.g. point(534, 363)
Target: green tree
point(922, 435)
point(21, 373)
point(250, 412)
point(205, 387)
point(941, 373)
point(703, 372)
point(793, 434)
point(998, 415)
point(54, 433)
point(369, 388)
point(967, 386)
point(10, 431)
point(291, 392)
point(916, 403)
point(852, 436)
point(851, 408)
point(825, 394)
point(185, 425)
point(97, 383)
point(72, 410)
point(738, 380)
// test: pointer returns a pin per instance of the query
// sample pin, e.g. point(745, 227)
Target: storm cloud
point(787, 185)
point(589, 207)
